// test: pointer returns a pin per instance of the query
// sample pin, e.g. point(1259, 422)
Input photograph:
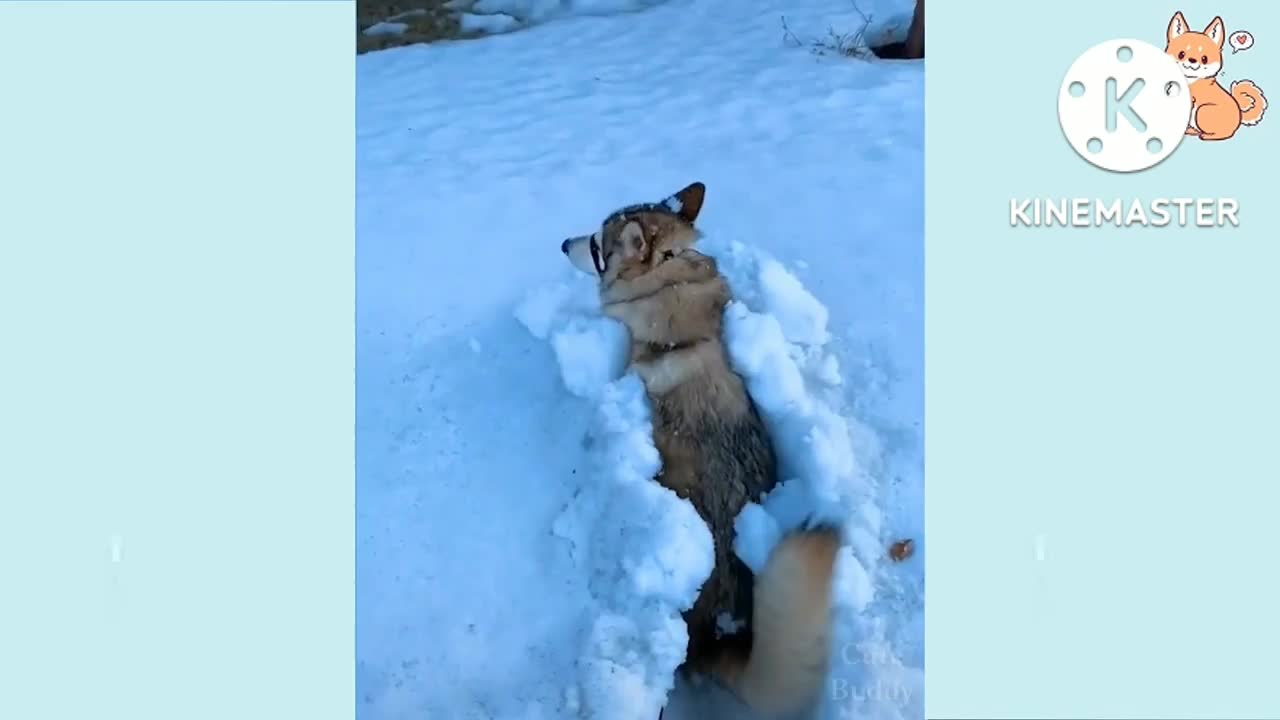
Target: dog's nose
point(564, 247)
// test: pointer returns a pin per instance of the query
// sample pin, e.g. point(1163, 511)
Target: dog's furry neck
point(674, 310)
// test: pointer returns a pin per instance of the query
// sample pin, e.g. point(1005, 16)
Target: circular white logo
point(1124, 105)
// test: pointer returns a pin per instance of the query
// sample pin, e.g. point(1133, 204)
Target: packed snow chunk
point(531, 10)
point(866, 546)
point(854, 587)
point(494, 24)
point(803, 319)
point(658, 553)
point(626, 669)
point(830, 457)
point(386, 28)
point(757, 533)
point(791, 503)
point(760, 352)
point(827, 371)
point(869, 516)
point(590, 352)
point(550, 307)
point(623, 433)
point(645, 551)
point(740, 266)
point(544, 308)
point(679, 553)
point(817, 364)
point(727, 625)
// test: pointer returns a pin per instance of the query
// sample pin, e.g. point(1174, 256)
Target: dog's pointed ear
point(1217, 32)
point(633, 240)
point(1177, 26)
point(688, 202)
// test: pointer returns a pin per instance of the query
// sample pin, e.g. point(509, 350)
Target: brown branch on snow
point(855, 43)
point(849, 44)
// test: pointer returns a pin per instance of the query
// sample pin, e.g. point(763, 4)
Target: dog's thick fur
point(715, 453)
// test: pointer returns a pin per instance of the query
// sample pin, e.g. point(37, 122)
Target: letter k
point(1123, 105)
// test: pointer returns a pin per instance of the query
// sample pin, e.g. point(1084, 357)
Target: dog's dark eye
point(595, 256)
point(1182, 55)
point(1204, 59)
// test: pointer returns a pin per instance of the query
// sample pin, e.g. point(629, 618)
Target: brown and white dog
point(715, 453)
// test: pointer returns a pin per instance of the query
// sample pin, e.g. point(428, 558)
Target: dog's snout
point(564, 247)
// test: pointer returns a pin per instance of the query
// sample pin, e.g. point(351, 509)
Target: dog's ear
point(1217, 32)
point(632, 241)
point(1177, 26)
point(688, 202)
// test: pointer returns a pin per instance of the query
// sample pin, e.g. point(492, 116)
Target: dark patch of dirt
point(427, 21)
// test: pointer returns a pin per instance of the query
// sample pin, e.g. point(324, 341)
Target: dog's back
point(720, 463)
point(716, 452)
point(715, 449)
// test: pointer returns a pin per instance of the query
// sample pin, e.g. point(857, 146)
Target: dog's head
point(637, 237)
point(1199, 54)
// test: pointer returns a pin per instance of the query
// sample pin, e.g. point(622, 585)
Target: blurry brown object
point(902, 549)
point(913, 47)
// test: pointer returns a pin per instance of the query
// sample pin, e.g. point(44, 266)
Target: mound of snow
point(647, 552)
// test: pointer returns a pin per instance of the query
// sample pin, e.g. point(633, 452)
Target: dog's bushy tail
point(791, 626)
point(1251, 101)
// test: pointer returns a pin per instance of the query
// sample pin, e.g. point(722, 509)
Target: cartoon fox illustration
point(1216, 113)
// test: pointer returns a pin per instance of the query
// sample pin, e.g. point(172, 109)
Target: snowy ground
point(514, 560)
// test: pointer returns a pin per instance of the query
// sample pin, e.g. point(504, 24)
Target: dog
point(1217, 113)
point(716, 453)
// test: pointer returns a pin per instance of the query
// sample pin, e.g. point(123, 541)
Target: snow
point(386, 28)
point(644, 553)
point(491, 24)
point(515, 558)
